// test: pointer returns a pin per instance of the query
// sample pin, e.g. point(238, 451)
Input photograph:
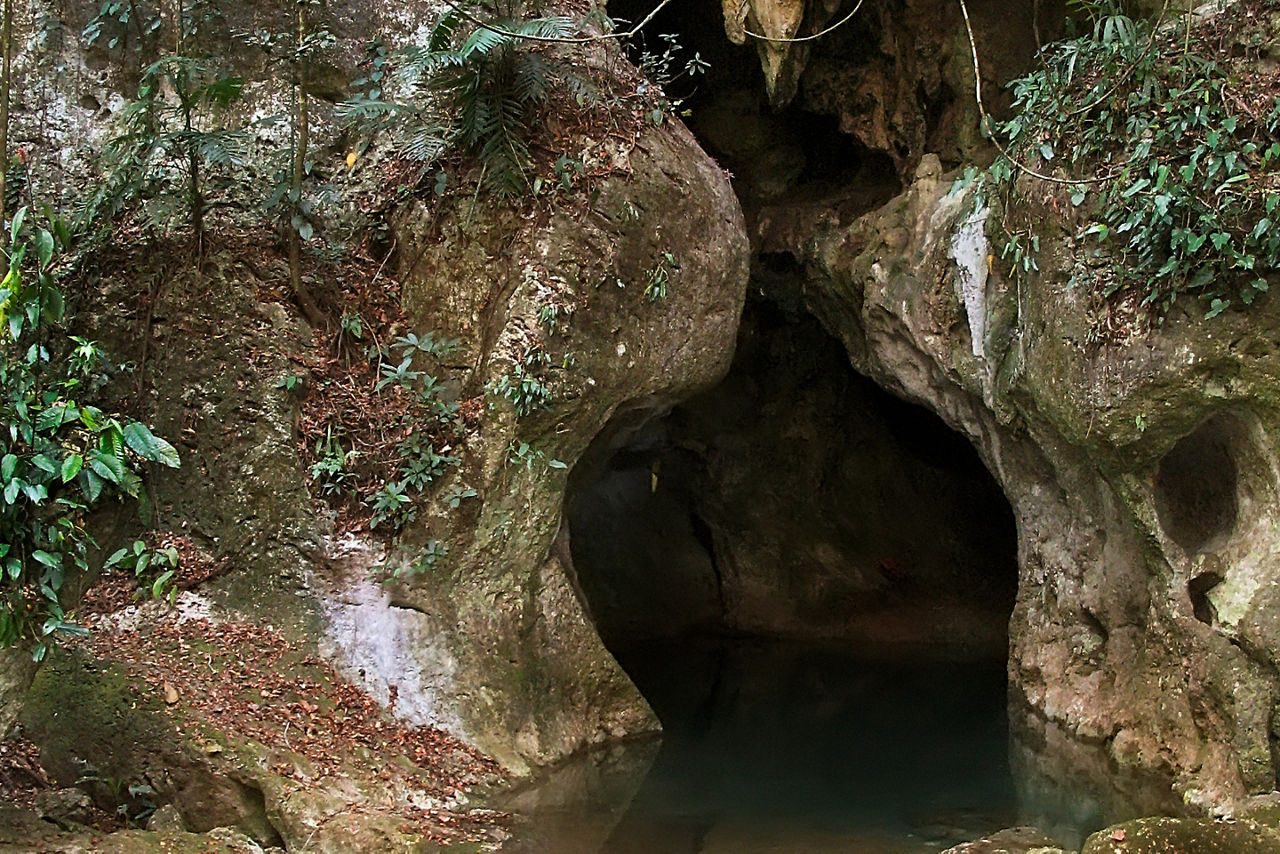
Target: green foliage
point(119, 20)
point(1178, 174)
point(659, 276)
point(402, 373)
point(133, 799)
point(549, 316)
point(352, 324)
point(60, 456)
point(424, 455)
point(524, 455)
point(488, 83)
point(154, 568)
point(377, 61)
point(291, 382)
point(333, 469)
point(456, 495)
point(523, 386)
point(427, 560)
point(170, 137)
point(665, 69)
point(293, 53)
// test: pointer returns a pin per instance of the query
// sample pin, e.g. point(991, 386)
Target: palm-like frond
point(220, 147)
point(371, 114)
point(531, 79)
point(426, 143)
point(551, 27)
point(487, 80)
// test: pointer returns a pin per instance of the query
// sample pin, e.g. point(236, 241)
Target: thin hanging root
point(988, 124)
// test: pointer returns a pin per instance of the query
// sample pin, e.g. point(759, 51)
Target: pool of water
point(771, 747)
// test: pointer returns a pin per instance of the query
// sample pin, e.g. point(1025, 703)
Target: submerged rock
point(1014, 840)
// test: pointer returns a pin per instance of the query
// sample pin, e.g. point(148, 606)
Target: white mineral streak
point(969, 249)
point(382, 648)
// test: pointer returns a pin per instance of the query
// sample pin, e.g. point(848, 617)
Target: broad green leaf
point(8, 466)
point(130, 483)
point(116, 556)
point(157, 589)
point(50, 560)
point(106, 466)
point(147, 445)
point(71, 467)
point(111, 439)
point(55, 305)
point(16, 226)
point(92, 485)
point(44, 247)
point(61, 231)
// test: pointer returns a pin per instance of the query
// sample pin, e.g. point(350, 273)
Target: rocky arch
point(794, 500)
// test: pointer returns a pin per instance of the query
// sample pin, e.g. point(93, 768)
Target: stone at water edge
point(1184, 836)
point(1012, 840)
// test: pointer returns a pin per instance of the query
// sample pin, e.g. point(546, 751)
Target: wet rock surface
point(1014, 840)
point(1204, 836)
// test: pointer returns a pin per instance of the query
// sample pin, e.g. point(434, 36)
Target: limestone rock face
point(528, 679)
point(496, 646)
point(1141, 469)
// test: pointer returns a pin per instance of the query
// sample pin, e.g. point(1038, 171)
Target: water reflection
point(1070, 789)
point(777, 748)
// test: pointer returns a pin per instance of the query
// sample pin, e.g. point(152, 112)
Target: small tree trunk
point(195, 195)
point(6, 70)
point(301, 142)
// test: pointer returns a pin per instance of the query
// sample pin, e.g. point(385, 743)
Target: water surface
point(771, 747)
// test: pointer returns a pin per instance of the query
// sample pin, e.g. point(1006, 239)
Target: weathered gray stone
point(66, 806)
point(527, 678)
point(166, 819)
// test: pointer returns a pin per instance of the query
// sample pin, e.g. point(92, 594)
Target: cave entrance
point(795, 500)
point(811, 582)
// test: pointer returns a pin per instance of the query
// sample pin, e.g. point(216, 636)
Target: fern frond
point(418, 64)
point(477, 120)
point(551, 27)
point(532, 78)
point(426, 144)
point(221, 147)
point(584, 92)
point(368, 113)
point(443, 32)
point(221, 91)
point(484, 41)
